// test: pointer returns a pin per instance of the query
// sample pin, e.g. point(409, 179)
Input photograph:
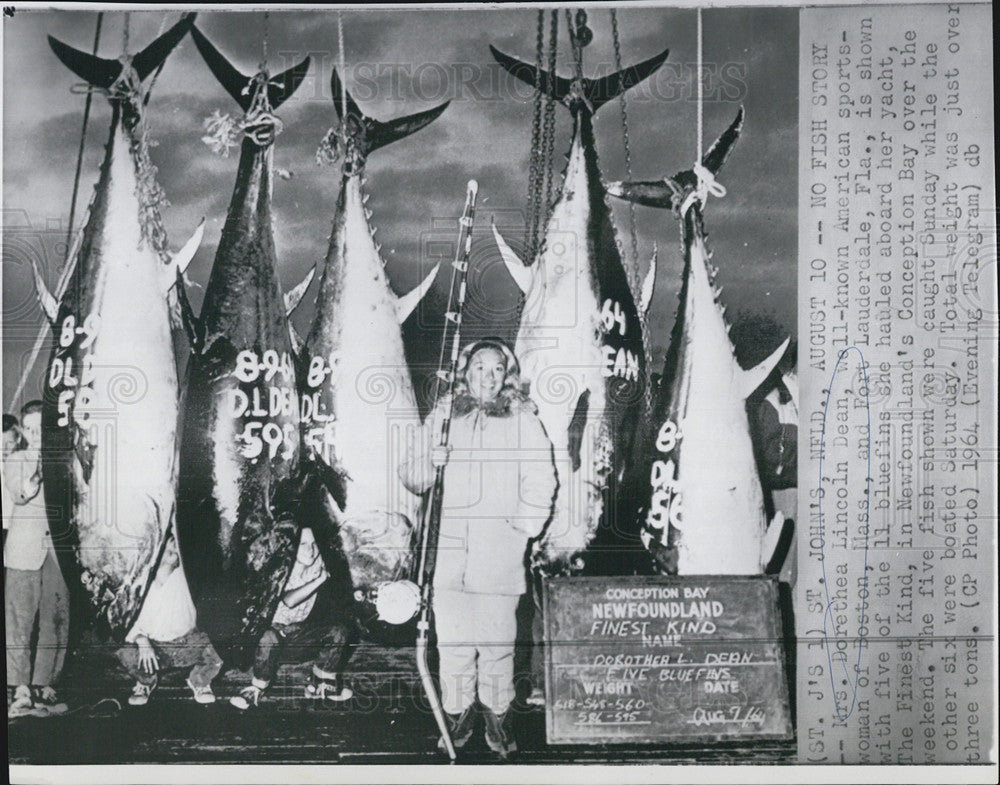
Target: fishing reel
point(396, 602)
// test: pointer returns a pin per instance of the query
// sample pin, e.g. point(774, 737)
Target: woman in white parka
point(499, 485)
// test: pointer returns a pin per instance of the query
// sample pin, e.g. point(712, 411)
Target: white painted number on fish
point(61, 371)
point(248, 368)
point(612, 313)
point(665, 504)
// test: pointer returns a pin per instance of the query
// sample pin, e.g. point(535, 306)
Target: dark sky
point(399, 62)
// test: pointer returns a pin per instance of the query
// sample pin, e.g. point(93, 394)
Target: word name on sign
point(62, 370)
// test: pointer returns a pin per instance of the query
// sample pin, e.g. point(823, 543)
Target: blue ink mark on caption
point(851, 680)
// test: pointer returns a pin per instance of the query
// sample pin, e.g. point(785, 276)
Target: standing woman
point(499, 485)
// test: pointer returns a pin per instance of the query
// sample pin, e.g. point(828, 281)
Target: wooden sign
point(660, 659)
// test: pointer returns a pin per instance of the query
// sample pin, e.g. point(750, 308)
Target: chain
point(535, 159)
point(634, 267)
point(549, 128)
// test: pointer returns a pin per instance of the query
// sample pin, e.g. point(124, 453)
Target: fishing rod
point(432, 521)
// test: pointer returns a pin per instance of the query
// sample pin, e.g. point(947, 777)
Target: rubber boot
point(460, 727)
point(500, 732)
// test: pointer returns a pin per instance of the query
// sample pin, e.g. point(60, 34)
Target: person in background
point(34, 588)
point(165, 636)
point(499, 486)
point(309, 617)
point(11, 441)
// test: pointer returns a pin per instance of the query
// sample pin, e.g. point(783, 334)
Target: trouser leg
point(453, 621)
point(22, 594)
point(195, 651)
point(496, 630)
point(53, 623)
point(336, 644)
point(128, 656)
point(268, 656)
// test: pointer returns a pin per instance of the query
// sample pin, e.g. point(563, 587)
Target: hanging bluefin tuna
point(110, 413)
point(239, 466)
point(580, 339)
point(701, 508)
point(358, 401)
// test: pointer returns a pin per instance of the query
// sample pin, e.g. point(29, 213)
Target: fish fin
point(772, 539)
point(648, 283)
point(333, 479)
point(719, 152)
point(45, 298)
point(297, 342)
point(147, 61)
point(192, 324)
point(576, 425)
point(391, 131)
point(406, 304)
point(294, 296)
point(96, 71)
point(600, 91)
point(752, 378)
point(670, 192)
point(650, 193)
point(101, 72)
point(523, 275)
point(182, 259)
point(234, 82)
point(548, 84)
point(281, 87)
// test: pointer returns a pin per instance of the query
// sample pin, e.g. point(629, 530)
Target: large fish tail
point(240, 86)
point(101, 72)
point(670, 192)
point(381, 133)
point(597, 91)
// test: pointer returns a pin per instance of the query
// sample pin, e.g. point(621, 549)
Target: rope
point(707, 184)
point(159, 69)
point(701, 98)
point(79, 155)
point(343, 77)
point(125, 32)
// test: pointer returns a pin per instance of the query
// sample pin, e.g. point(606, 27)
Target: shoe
point(499, 733)
point(21, 704)
point(460, 727)
point(47, 700)
point(249, 696)
point(140, 694)
point(537, 697)
point(202, 694)
point(328, 689)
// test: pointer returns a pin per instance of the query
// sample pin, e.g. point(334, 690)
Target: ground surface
point(387, 721)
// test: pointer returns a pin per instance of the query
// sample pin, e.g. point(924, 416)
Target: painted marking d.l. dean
point(701, 507)
point(110, 411)
point(240, 472)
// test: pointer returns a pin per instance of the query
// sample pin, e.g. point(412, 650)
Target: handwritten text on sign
point(664, 659)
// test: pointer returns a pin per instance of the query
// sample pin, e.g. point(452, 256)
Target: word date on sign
point(661, 659)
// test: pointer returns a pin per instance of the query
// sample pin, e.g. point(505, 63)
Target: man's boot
point(500, 732)
point(460, 727)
